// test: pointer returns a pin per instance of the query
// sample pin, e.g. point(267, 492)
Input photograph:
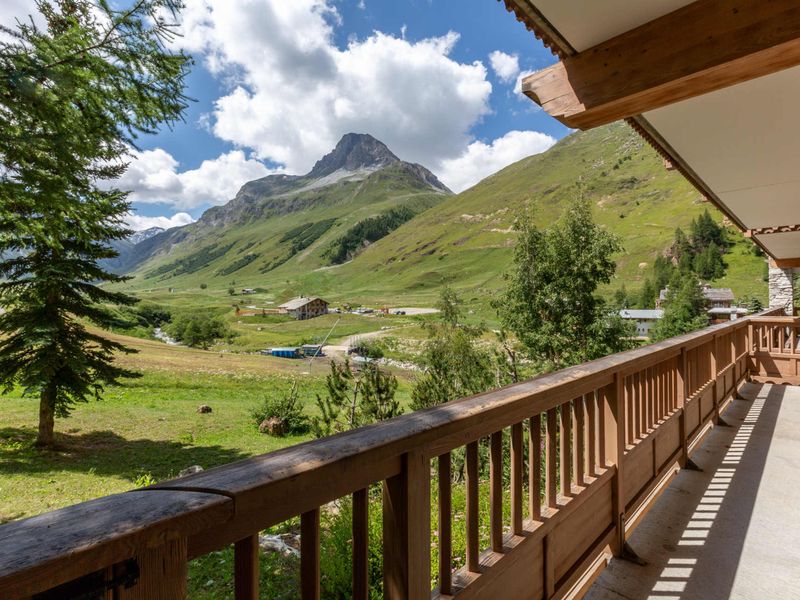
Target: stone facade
point(781, 288)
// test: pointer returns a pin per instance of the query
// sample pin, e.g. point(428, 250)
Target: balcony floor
point(732, 530)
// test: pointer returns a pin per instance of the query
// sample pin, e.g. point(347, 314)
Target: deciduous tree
point(551, 302)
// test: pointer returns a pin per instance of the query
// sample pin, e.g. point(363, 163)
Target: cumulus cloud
point(153, 177)
point(12, 11)
point(139, 222)
point(481, 160)
point(294, 93)
point(505, 66)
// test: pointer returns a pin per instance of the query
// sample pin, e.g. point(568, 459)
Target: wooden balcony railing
point(608, 436)
point(775, 349)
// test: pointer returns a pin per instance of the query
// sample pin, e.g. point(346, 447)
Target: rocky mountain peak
point(146, 234)
point(353, 152)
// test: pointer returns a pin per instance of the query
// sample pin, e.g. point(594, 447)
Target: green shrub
point(285, 407)
point(198, 330)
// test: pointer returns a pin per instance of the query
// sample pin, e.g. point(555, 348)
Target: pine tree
point(355, 398)
point(663, 269)
point(73, 98)
point(648, 294)
point(685, 307)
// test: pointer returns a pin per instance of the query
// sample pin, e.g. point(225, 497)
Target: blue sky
point(277, 83)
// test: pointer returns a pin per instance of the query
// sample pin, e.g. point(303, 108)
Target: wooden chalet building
point(302, 307)
point(635, 487)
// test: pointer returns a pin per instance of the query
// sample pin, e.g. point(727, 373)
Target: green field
point(148, 429)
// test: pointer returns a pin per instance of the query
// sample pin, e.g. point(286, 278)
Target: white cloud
point(481, 160)
point(139, 222)
point(505, 66)
point(13, 10)
point(295, 93)
point(153, 177)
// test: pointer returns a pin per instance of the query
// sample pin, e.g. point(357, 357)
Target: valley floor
point(148, 429)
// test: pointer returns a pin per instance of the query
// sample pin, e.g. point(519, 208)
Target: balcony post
point(613, 415)
point(682, 390)
point(164, 571)
point(407, 531)
point(714, 373)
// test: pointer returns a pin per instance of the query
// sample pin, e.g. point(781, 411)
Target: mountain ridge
point(360, 170)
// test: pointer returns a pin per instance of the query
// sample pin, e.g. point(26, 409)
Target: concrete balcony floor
point(732, 530)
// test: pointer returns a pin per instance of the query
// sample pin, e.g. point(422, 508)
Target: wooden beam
point(787, 263)
point(772, 230)
point(702, 47)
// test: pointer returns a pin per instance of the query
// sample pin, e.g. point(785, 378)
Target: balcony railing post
point(714, 372)
point(163, 572)
point(683, 388)
point(245, 569)
point(613, 415)
point(407, 531)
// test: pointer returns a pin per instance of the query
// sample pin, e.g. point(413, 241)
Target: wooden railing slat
point(361, 544)
point(496, 491)
point(535, 467)
point(445, 524)
point(578, 440)
point(309, 555)
point(590, 403)
point(472, 507)
point(551, 458)
point(516, 478)
point(245, 568)
point(565, 433)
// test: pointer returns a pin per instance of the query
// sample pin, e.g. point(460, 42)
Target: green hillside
point(281, 225)
point(466, 240)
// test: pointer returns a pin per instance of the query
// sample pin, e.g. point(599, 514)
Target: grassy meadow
point(148, 429)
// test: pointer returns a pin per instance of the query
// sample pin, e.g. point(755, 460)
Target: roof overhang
point(712, 85)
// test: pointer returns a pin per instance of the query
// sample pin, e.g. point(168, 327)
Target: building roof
point(299, 302)
point(713, 294)
point(641, 314)
point(703, 123)
point(718, 293)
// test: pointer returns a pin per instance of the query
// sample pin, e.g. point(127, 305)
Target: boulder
point(203, 409)
point(190, 470)
point(274, 426)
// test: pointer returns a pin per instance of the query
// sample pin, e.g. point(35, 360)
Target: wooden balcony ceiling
point(713, 84)
point(730, 531)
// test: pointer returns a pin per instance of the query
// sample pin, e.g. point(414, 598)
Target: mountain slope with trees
point(467, 240)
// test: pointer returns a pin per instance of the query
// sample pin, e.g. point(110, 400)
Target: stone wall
point(781, 288)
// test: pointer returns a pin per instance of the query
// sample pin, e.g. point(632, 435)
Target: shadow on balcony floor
point(732, 530)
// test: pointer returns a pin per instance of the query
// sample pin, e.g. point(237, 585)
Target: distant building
point(304, 308)
point(715, 297)
point(246, 291)
point(645, 319)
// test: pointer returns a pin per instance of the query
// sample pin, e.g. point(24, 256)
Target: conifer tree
point(685, 307)
point(73, 98)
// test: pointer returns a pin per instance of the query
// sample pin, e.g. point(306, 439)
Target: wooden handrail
point(227, 504)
